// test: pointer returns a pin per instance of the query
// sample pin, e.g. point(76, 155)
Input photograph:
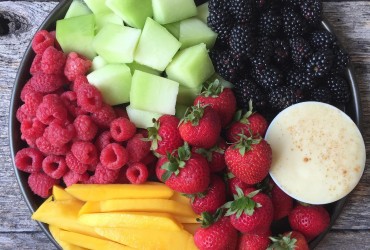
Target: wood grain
point(17, 231)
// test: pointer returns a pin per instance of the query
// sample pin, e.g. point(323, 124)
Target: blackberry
point(320, 94)
point(293, 24)
point(218, 5)
point(261, 4)
point(311, 10)
point(300, 80)
point(220, 22)
point(259, 64)
point(322, 40)
point(264, 47)
point(242, 10)
point(269, 78)
point(269, 24)
point(300, 51)
point(284, 96)
point(226, 64)
point(339, 89)
point(281, 54)
point(319, 64)
point(242, 40)
point(245, 90)
point(340, 60)
point(294, 3)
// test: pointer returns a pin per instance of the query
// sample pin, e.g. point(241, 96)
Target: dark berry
point(269, 78)
point(311, 10)
point(264, 47)
point(300, 80)
point(261, 4)
point(281, 54)
point(340, 60)
point(242, 10)
point(294, 3)
point(339, 89)
point(220, 22)
point(242, 40)
point(226, 64)
point(245, 90)
point(322, 40)
point(284, 96)
point(319, 64)
point(218, 5)
point(321, 94)
point(269, 24)
point(300, 51)
point(293, 24)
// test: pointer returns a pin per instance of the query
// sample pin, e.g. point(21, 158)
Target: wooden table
point(351, 20)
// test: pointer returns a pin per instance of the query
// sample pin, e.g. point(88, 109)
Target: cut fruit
point(191, 66)
point(59, 194)
point(133, 12)
point(153, 93)
point(156, 46)
point(193, 31)
point(173, 28)
point(77, 8)
point(55, 232)
point(187, 95)
point(113, 82)
point(116, 43)
point(203, 12)
point(76, 34)
point(136, 66)
point(169, 11)
point(97, 6)
point(191, 227)
point(97, 63)
point(103, 19)
point(141, 118)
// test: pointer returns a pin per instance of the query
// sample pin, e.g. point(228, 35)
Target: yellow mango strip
point(90, 242)
point(139, 205)
point(55, 232)
point(186, 219)
point(149, 239)
point(159, 221)
point(59, 194)
point(62, 214)
point(191, 227)
point(180, 198)
point(99, 192)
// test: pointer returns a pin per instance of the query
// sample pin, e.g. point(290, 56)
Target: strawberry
point(254, 241)
point(283, 203)
point(236, 182)
point(213, 198)
point(250, 212)
point(220, 99)
point(290, 241)
point(215, 155)
point(200, 127)
point(184, 171)
point(249, 159)
point(310, 220)
point(250, 123)
point(216, 233)
point(164, 135)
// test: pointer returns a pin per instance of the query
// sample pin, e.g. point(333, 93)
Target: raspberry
point(71, 178)
point(104, 116)
point(22, 114)
point(122, 129)
point(56, 44)
point(36, 65)
point(122, 179)
point(89, 98)
point(104, 175)
point(32, 129)
point(137, 148)
point(29, 160)
point(46, 83)
point(85, 128)
point(137, 173)
point(41, 184)
point(85, 152)
point(52, 61)
point(59, 133)
point(75, 165)
point(32, 101)
point(113, 156)
point(50, 109)
point(41, 41)
point(103, 140)
point(27, 88)
point(120, 112)
point(78, 82)
point(69, 99)
point(54, 166)
point(76, 66)
point(47, 148)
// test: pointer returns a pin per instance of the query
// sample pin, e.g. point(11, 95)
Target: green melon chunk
point(114, 83)
point(141, 118)
point(181, 110)
point(135, 66)
point(153, 93)
point(133, 12)
point(156, 46)
point(103, 19)
point(173, 28)
point(77, 8)
point(203, 12)
point(77, 34)
point(97, 6)
point(187, 95)
point(116, 43)
point(191, 66)
point(193, 31)
point(169, 11)
point(97, 63)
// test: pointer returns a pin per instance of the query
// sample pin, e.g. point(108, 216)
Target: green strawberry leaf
point(283, 242)
point(193, 114)
point(165, 176)
point(214, 89)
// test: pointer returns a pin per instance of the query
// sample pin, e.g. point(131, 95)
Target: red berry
point(47, 148)
point(137, 148)
point(52, 61)
point(85, 128)
point(89, 98)
point(41, 184)
point(46, 83)
point(75, 165)
point(113, 156)
point(32, 129)
point(215, 155)
point(283, 203)
point(121, 112)
point(137, 173)
point(122, 129)
point(59, 133)
point(27, 88)
point(78, 82)
point(122, 178)
point(69, 99)
point(32, 102)
point(103, 140)
point(104, 116)
point(22, 115)
point(235, 182)
point(104, 175)
point(36, 64)
point(41, 41)
point(55, 166)
point(75, 66)
point(71, 178)
point(29, 160)
point(85, 152)
point(253, 242)
point(51, 108)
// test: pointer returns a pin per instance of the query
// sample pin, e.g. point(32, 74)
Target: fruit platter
point(186, 125)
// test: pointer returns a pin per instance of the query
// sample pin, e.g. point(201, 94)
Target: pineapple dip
point(318, 153)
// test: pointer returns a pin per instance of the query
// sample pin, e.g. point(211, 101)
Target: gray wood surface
point(350, 20)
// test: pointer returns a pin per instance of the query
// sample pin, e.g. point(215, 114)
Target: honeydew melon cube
point(191, 66)
point(173, 28)
point(181, 110)
point(97, 6)
point(116, 43)
point(97, 63)
point(136, 66)
point(156, 46)
point(187, 95)
point(102, 19)
point(203, 12)
point(77, 8)
point(169, 11)
point(193, 31)
point(114, 83)
point(141, 118)
point(77, 34)
point(133, 12)
point(153, 93)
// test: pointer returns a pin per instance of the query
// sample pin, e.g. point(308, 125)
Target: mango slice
point(96, 192)
point(187, 219)
point(139, 205)
point(90, 242)
point(180, 198)
point(155, 221)
point(149, 239)
point(55, 231)
point(59, 194)
point(191, 227)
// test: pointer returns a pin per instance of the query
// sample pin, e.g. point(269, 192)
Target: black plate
point(353, 109)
